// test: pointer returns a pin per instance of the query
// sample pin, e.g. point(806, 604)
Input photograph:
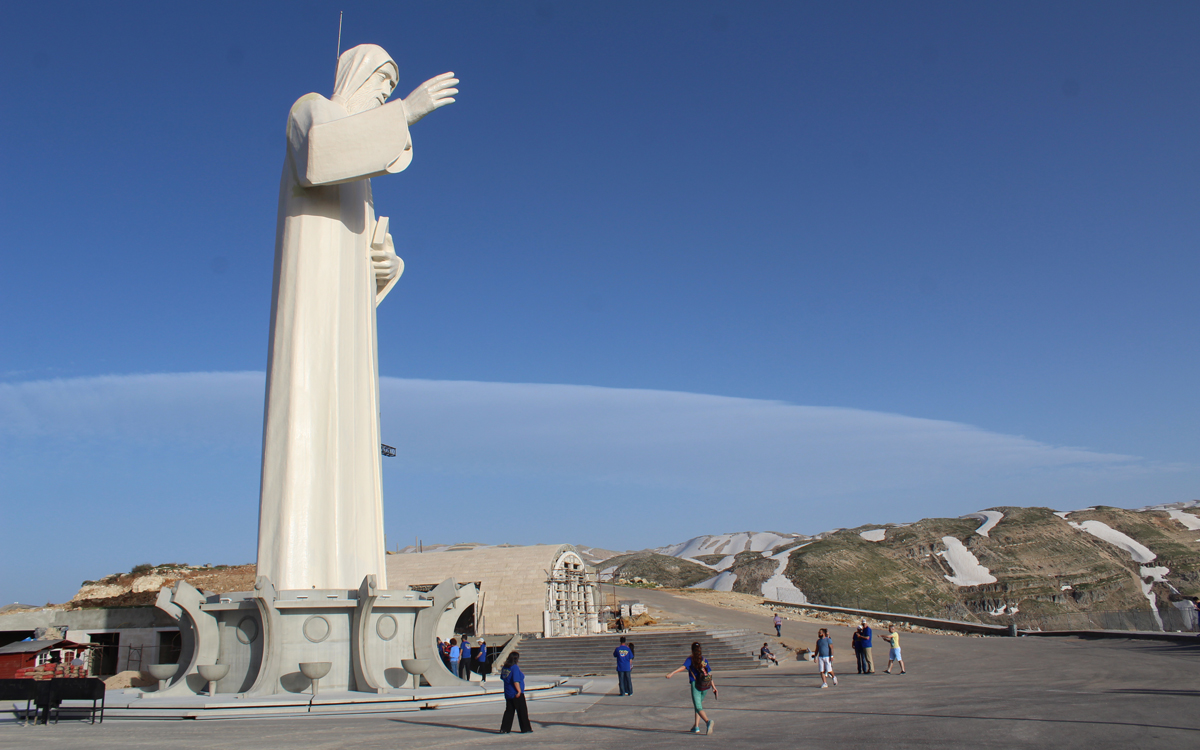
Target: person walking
point(866, 647)
point(514, 695)
point(824, 651)
point(778, 626)
point(700, 679)
point(766, 654)
point(624, 656)
point(856, 642)
point(455, 653)
point(893, 639)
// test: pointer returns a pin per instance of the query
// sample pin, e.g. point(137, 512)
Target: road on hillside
point(708, 616)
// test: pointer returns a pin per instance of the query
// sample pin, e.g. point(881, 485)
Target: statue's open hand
point(436, 92)
point(386, 264)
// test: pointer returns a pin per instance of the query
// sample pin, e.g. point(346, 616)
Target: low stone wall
point(926, 622)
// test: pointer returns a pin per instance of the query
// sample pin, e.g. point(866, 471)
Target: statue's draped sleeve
point(328, 147)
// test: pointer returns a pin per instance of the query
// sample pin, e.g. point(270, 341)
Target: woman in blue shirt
point(514, 695)
point(699, 680)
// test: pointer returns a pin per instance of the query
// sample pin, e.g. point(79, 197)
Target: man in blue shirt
point(824, 651)
point(624, 654)
point(464, 664)
point(865, 643)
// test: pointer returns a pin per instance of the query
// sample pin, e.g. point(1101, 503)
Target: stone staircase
point(654, 652)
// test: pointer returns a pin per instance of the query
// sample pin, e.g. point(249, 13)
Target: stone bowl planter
point(162, 673)
point(416, 668)
point(211, 674)
point(315, 670)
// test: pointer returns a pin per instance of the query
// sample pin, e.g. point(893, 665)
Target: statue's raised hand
point(436, 92)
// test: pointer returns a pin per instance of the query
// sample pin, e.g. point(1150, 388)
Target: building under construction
point(545, 589)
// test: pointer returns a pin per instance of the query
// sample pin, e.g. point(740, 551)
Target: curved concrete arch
point(445, 598)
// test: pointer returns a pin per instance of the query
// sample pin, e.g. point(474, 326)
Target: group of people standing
point(461, 659)
point(861, 641)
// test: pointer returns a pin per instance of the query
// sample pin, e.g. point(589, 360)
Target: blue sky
point(757, 265)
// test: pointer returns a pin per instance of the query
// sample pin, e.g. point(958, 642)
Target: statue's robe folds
point(321, 502)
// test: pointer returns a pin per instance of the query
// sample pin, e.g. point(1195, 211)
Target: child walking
point(893, 639)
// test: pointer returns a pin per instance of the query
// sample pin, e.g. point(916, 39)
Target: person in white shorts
point(824, 651)
point(893, 639)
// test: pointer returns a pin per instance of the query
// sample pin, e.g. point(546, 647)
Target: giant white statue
point(321, 503)
point(321, 610)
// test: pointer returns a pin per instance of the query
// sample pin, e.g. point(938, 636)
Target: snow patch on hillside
point(778, 586)
point(989, 517)
point(874, 535)
point(966, 567)
point(1140, 554)
point(1156, 573)
point(728, 544)
point(1190, 520)
point(720, 582)
point(1138, 551)
point(1176, 511)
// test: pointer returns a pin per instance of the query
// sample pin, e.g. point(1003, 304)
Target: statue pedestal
point(263, 636)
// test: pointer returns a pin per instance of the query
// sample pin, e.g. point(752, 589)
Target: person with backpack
point(624, 656)
point(514, 695)
point(700, 679)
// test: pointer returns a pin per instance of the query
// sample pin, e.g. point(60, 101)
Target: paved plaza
point(959, 692)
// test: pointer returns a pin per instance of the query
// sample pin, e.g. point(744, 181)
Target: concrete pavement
point(959, 692)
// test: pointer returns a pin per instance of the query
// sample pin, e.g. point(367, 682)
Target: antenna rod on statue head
point(339, 52)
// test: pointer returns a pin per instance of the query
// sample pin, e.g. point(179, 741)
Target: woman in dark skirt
point(514, 695)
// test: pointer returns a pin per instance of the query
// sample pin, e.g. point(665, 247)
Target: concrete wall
point(136, 626)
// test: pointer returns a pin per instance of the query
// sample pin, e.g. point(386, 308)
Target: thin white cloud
point(640, 437)
point(135, 456)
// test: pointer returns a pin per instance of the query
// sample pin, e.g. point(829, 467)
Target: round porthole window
point(386, 628)
point(247, 630)
point(316, 628)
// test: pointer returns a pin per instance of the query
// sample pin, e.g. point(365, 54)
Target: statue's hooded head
point(366, 75)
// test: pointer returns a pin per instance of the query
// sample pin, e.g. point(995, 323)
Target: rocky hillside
point(139, 587)
point(987, 566)
point(1035, 563)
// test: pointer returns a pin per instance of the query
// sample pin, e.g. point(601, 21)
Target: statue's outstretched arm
point(435, 93)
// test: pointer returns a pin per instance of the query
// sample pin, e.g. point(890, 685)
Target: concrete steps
point(654, 651)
